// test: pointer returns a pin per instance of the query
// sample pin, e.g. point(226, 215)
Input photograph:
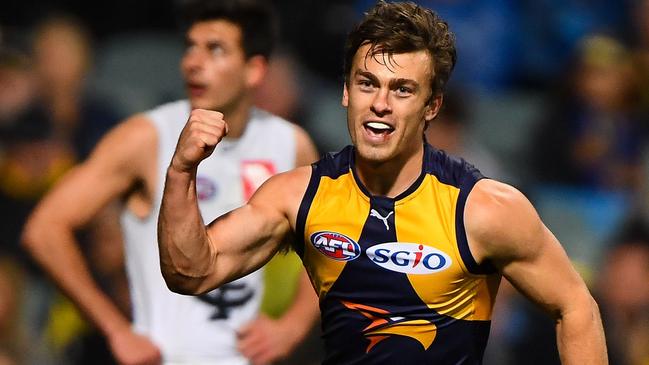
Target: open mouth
point(196, 89)
point(378, 128)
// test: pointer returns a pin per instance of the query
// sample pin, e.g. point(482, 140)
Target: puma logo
point(375, 214)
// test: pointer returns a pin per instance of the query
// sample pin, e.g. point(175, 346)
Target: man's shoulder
point(261, 115)
point(129, 139)
point(266, 123)
point(499, 217)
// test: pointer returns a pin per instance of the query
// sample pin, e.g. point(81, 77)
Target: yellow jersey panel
point(335, 205)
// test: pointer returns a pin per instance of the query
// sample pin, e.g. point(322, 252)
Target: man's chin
point(374, 154)
point(200, 103)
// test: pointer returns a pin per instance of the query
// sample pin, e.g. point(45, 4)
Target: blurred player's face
point(386, 103)
point(214, 66)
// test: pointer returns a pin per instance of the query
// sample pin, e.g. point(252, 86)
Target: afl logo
point(336, 246)
point(205, 188)
point(408, 258)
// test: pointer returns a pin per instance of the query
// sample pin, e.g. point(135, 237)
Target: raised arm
point(195, 258)
point(110, 171)
point(503, 227)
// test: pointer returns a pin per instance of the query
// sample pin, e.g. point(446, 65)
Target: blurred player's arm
point(503, 227)
point(265, 340)
point(107, 175)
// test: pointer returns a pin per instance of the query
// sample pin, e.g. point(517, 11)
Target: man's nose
point(381, 103)
point(192, 61)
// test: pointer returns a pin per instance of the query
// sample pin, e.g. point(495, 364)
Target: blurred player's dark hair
point(256, 18)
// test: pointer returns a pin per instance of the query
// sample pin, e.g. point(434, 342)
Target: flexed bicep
point(248, 237)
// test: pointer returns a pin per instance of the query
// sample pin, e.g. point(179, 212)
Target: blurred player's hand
point(203, 131)
point(264, 340)
point(130, 348)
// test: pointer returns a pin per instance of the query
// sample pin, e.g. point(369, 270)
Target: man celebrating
point(404, 244)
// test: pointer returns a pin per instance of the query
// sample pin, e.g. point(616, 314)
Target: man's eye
point(216, 50)
point(365, 84)
point(403, 90)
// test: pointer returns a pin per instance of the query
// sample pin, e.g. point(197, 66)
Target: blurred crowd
point(550, 96)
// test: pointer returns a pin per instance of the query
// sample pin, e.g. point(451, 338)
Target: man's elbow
point(582, 306)
point(35, 235)
point(182, 284)
point(594, 309)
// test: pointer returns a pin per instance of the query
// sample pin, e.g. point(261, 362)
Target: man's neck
point(237, 116)
point(389, 178)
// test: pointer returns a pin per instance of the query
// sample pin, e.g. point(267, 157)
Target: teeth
point(377, 125)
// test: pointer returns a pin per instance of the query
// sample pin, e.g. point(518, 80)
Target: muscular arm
point(195, 258)
point(503, 227)
point(49, 233)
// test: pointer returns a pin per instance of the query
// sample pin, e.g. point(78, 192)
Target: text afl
point(336, 246)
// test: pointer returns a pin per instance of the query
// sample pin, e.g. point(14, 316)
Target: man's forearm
point(580, 336)
point(56, 250)
point(186, 256)
point(304, 311)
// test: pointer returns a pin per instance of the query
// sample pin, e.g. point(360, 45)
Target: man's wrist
point(177, 168)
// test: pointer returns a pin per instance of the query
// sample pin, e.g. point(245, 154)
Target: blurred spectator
point(29, 162)
point(640, 22)
point(623, 288)
point(594, 138)
point(551, 29)
point(49, 122)
point(62, 58)
point(16, 86)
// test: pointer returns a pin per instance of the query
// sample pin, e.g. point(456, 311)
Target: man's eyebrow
point(367, 74)
point(403, 81)
point(394, 83)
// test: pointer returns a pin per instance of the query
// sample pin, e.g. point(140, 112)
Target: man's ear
point(256, 68)
point(432, 109)
point(345, 101)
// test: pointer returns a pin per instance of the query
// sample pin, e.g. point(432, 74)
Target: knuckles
point(199, 119)
point(204, 114)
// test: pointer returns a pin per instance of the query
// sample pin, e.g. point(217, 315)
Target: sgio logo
point(409, 258)
point(336, 246)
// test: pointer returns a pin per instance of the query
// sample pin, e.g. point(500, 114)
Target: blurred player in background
point(228, 45)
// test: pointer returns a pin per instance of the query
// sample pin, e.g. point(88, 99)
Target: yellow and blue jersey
point(396, 280)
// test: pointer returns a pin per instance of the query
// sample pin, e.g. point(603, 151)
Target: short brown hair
point(394, 28)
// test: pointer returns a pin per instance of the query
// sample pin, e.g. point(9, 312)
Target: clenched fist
point(203, 131)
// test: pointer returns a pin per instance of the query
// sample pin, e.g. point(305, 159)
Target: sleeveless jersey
point(395, 277)
point(201, 330)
